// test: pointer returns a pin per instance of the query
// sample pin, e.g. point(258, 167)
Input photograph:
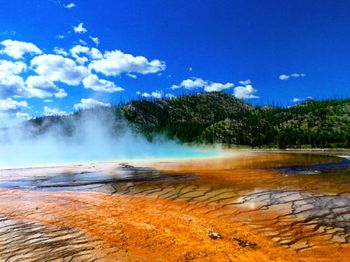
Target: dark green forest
point(221, 118)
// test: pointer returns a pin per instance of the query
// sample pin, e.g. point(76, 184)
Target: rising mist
point(93, 135)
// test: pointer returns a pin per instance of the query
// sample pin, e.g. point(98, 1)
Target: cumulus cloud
point(60, 51)
point(17, 49)
point(87, 103)
point(11, 85)
point(92, 53)
point(191, 84)
point(68, 67)
point(59, 68)
point(80, 29)
point(116, 62)
point(245, 91)
point(53, 111)
point(96, 40)
point(11, 112)
point(34, 86)
point(100, 85)
point(245, 82)
point(208, 86)
point(154, 94)
point(69, 6)
point(39, 86)
point(9, 104)
point(294, 75)
point(212, 87)
point(11, 68)
point(296, 99)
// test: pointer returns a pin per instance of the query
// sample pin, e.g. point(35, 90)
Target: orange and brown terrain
point(244, 206)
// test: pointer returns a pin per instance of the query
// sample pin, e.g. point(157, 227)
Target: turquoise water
point(41, 154)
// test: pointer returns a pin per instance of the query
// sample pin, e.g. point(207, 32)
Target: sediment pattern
point(33, 241)
point(295, 219)
point(297, 209)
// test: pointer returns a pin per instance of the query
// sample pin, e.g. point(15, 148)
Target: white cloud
point(191, 84)
point(39, 86)
point(79, 49)
point(96, 40)
point(116, 62)
point(155, 94)
point(138, 93)
point(100, 85)
point(11, 85)
point(60, 51)
point(59, 68)
point(93, 53)
point(12, 105)
point(190, 69)
point(53, 111)
point(245, 92)
point(132, 76)
point(60, 36)
point(213, 87)
point(298, 75)
point(11, 68)
point(82, 42)
point(245, 82)
point(284, 77)
point(294, 75)
point(208, 86)
point(17, 49)
point(69, 6)
point(80, 29)
point(297, 100)
point(87, 103)
point(34, 86)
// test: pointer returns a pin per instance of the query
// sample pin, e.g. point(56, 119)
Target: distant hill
point(184, 117)
point(221, 118)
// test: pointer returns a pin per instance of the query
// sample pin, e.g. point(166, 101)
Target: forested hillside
point(221, 118)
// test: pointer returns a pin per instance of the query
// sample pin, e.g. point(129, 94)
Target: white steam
point(94, 136)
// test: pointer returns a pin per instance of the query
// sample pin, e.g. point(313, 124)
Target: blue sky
point(60, 56)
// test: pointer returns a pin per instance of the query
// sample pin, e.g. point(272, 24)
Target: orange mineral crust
point(243, 206)
point(143, 229)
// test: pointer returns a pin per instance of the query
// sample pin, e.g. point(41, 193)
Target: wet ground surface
point(299, 202)
point(89, 180)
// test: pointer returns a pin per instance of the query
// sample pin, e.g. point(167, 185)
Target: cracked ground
point(265, 206)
